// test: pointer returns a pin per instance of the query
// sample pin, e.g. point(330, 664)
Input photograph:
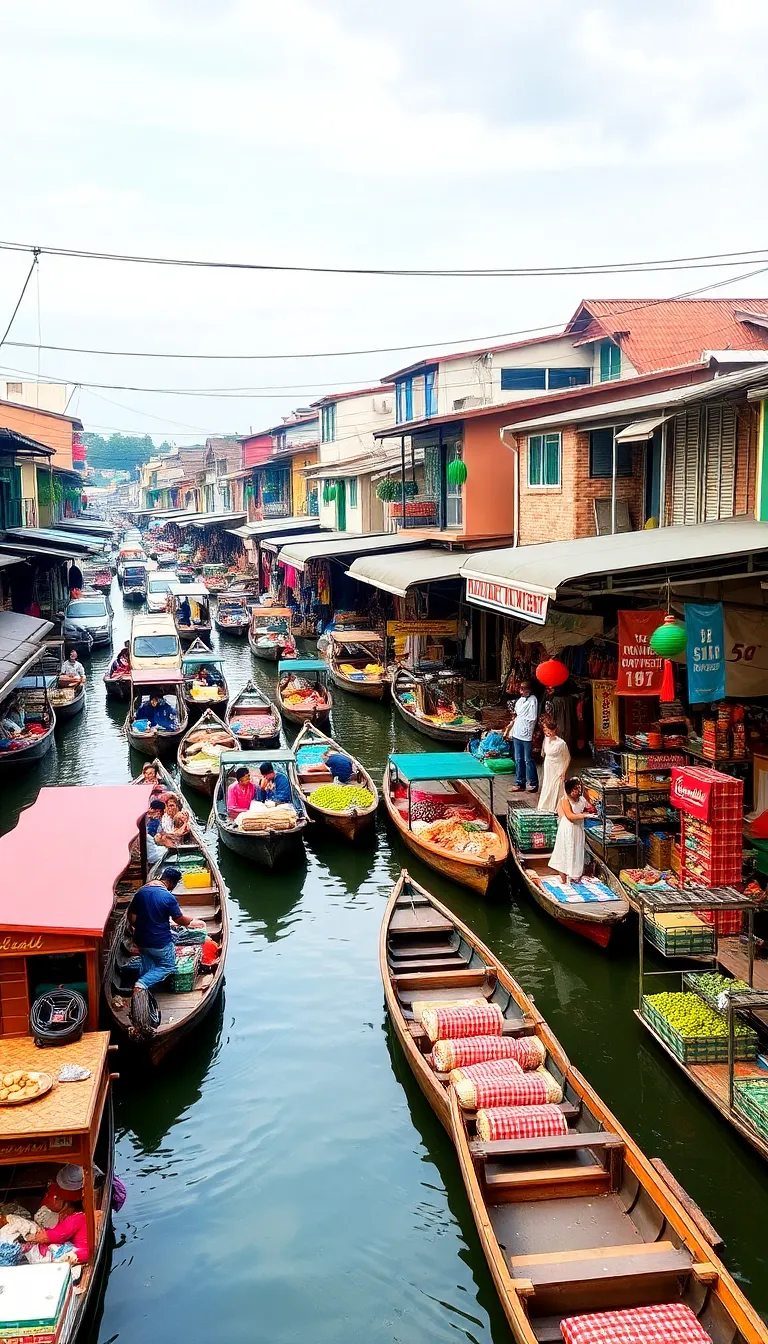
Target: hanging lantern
point(552, 673)
point(668, 639)
point(457, 472)
point(331, 491)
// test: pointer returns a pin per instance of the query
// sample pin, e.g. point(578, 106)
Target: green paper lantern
point(668, 639)
point(457, 472)
point(331, 491)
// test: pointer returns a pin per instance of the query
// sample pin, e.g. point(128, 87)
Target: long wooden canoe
point(594, 920)
point(253, 718)
point(270, 848)
point(317, 713)
point(208, 723)
point(356, 648)
point(470, 870)
point(458, 734)
point(261, 619)
point(181, 1013)
point(356, 820)
point(570, 1224)
point(232, 615)
point(36, 705)
point(200, 650)
point(158, 741)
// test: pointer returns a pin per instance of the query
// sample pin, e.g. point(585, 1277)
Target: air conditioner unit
point(382, 405)
point(467, 403)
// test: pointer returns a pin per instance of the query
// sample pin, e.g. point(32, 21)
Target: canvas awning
point(298, 553)
point(157, 676)
point(425, 765)
point(281, 755)
point(641, 430)
point(355, 637)
point(211, 519)
point(401, 570)
point(58, 815)
point(521, 580)
point(20, 549)
point(195, 590)
point(21, 644)
point(48, 537)
point(277, 543)
point(302, 665)
point(273, 527)
point(87, 526)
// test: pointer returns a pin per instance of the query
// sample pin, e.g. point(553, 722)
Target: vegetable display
point(341, 797)
point(691, 1017)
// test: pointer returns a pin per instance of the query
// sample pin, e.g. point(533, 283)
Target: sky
point(413, 134)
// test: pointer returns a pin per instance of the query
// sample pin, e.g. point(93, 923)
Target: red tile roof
point(666, 333)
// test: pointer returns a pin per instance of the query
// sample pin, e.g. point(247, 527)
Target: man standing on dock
point(526, 712)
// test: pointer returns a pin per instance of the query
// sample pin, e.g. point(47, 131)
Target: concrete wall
point(560, 513)
point(298, 480)
point(46, 429)
point(357, 419)
point(44, 396)
point(489, 488)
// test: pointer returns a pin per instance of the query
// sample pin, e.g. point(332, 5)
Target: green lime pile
point(691, 1017)
point(713, 984)
point(340, 797)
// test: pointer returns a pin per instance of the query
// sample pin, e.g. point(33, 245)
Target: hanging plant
point(387, 490)
point(457, 472)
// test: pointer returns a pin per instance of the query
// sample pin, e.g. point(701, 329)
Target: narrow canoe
point(261, 619)
point(269, 848)
point(470, 870)
point(18, 758)
point(180, 1013)
point(194, 705)
point(159, 741)
point(458, 734)
point(253, 718)
point(573, 1223)
point(207, 723)
point(232, 615)
point(69, 708)
point(356, 820)
point(350, 649)
point(297, 713)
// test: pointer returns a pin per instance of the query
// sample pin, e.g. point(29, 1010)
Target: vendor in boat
point(13, 722)
point(72, 672)
point(339, 765)
point(157, 845)
point(184, 612)
point(121, 665)
point(240, 793)
point(68, 1231)
point(159, 713)
point(273, 786)
point(150, 914)
point(568, 854)
point(149, 774)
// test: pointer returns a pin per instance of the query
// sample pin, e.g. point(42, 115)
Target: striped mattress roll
point(450, 1053)
point(520, 1122)
point(448, 1023)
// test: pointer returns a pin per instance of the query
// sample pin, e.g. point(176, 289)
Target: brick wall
point(561, 513)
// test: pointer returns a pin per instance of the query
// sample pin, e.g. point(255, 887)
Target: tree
point(121, 452)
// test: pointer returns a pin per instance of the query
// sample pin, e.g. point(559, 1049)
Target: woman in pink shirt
point(240, 793)
point(71, 1229)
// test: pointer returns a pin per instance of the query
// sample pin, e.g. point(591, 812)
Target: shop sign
point(746, 650)
point(605, 713)
point(640, 669)
point(705, 652)
point(510, 598)
point(447, 628)
point(691, 792)
point(23, 944)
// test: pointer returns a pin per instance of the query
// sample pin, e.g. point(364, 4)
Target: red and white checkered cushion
point(490, 1068)
point(525, 1089)
point(457, 1054)
point(520, 1122)
point(669, 1323)
point(444, 1023)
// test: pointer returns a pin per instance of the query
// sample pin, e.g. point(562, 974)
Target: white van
point(158, 584)
point(154, 642)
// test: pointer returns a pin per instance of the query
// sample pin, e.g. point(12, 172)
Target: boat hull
point(269, 655)
point(272, 849)
point(17, 760)
point(459, 736)
point(315, 715)
point(366, 690)
point(475, 874)
point(598, 929)
point(75, 707)
point(118, 688)
point(156, 743)
point(237, 631)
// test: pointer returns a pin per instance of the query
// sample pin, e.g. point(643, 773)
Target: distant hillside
point(121, 452)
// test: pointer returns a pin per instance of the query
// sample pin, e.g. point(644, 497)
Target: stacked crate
point(531, 830)
point(711, 844)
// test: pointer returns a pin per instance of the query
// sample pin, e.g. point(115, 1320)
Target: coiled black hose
point(58, 1017)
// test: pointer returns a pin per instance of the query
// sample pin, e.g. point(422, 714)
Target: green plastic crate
point(750, 1100)
point(186, 970)
point(698, 1049)
point(679, 942)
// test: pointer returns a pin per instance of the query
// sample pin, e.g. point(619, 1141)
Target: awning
point(440, 765)
point(6, 560)
point(641, 430)
point(400, 571)
point(20, 549)
point(157, 676)
point(58, 815)
point(276, 543)
point(521, 580)
point(272, 527)
point(195, 590)
point(210, 519)
point(47, 536)
point(354, 466)
point(302, 665)
point(355, 637)
point(87, 526)
point(21, 644)
point(298, 554)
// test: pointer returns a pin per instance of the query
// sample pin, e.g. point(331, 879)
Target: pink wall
point(256, 449)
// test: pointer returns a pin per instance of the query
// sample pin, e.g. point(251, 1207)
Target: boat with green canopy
point(302, 690)
point(446, 824)
point(209, 691)
point(269, 834)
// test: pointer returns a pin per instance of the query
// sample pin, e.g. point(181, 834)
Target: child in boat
point(175, 823)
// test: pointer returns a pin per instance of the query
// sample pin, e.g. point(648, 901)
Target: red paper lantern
point(552, 673)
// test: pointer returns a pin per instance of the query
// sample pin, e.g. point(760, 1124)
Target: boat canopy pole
point(731, 1050)
point(410, 827)
point(641, 936)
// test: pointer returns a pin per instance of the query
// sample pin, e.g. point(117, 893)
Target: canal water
point(287, 1181)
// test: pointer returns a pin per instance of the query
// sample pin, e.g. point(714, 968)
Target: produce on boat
point(356, 662)
point(302, 695)
point(200, 751)
point(585, 1240)
point(205, 682)
point(431, 705)
point(253, 718)
point(347, 808)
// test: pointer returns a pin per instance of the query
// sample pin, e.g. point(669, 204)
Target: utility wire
point(21, 296)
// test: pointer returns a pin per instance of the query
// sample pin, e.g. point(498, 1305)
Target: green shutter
point(552, 460)
point(534, 460)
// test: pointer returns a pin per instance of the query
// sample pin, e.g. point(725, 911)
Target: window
point(81, 610)
point(155, 646)
point(430, 393)
point(559, 378)
point(601, 456)
point(519, 380)
point(328, 422)
point(352, 492)
point(544, 460)
point(610, 361)
point(14, 389)
point(312, 504)
point(404, 400)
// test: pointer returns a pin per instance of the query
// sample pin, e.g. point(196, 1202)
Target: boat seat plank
point(410, 951)
point(447, 962)
point(421, 920)
point(551, 1143)
point(552, 1178)
point(630, 1263)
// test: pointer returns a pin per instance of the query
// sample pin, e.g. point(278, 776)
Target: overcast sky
point(416, 133)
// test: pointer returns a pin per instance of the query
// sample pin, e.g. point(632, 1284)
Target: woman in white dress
point(568, 854)
point(557, 758)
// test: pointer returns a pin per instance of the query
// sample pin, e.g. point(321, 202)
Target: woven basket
point(698, 1049)
point(750, 1101)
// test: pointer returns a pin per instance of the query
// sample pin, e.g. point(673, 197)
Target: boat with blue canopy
point(267, 833)
point(302, 690)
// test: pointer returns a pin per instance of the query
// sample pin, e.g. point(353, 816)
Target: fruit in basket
point(712, 984)
point(691, 1017)
point(340, 797)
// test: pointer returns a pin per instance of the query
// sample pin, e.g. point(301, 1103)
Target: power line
point(602, 268)
point(21, 296)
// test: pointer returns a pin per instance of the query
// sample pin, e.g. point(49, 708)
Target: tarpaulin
point(746, 650)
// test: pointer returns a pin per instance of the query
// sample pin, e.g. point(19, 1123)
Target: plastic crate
point(698, 1049)
point(750, 1101)
point(679, 942)
point(196, 877)
point(186, 970)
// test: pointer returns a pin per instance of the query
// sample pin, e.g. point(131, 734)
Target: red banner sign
point(691, 791)
point(640, 669)
point(512, 599)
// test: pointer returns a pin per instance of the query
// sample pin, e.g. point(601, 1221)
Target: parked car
point(90, 612)
point(158, 585)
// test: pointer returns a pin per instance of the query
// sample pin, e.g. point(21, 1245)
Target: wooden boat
point(402, 682)
point(471, 870)
point(253, 718)
point(196, 656)
point(118, 688)
point(203, 896)
point(594, 920)
point(197, 598)
point(570, 1224)
point(356, 820)
point(76, 1120)
point(357, 649)
point(102, 580)
point(291, 674)
point(67, 709)
point(31, 696)
point(273, 847)
point(270, 621)
point(163, 681)
point(208, 723)
point(233, 615)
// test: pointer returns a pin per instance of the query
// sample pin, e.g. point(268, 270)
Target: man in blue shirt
point(149, 916)
point(339, 766)
point(273, 787)
point(159, 713)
